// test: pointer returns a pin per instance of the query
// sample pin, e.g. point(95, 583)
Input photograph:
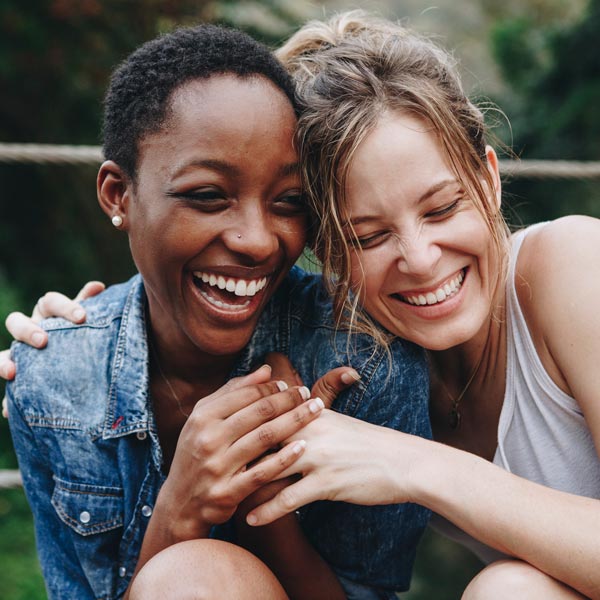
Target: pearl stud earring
point(117, 221)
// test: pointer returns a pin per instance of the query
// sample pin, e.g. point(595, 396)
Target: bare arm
point(554, 531)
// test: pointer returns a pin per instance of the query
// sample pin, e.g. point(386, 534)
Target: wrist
point(178, 522)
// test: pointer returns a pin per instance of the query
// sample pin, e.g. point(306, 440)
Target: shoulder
point(76, 353)
point(570, 243)
point(557, 278)
point(306, 296)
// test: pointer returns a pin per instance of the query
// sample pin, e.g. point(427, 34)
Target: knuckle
point(300, 417)
point(259, 475)
point(266, 408)
point(266, 435)
point(287, 499)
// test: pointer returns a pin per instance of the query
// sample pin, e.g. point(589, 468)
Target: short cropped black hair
point(137, 100)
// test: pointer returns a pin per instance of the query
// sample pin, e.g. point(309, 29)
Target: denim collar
point(128, 404)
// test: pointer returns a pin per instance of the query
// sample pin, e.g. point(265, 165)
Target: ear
point(114, 190)
point(494, 169)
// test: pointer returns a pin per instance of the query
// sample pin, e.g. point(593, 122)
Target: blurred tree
point(554, 74)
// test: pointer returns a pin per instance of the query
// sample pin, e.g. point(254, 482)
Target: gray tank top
point(542, 434)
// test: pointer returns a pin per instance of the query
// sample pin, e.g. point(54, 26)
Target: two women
point(397, 169)
point(134, 436)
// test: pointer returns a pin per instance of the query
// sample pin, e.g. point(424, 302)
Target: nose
point(419, 256)
point(253, 235)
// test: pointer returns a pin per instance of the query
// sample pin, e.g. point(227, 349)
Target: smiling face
point(425, 265)
point(216, 218)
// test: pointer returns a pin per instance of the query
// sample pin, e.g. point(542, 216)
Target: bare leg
point(205, 570)
point(517, 579)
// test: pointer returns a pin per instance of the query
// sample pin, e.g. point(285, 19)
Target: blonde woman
point(408, 196)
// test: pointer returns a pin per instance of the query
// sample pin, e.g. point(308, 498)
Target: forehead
point(225, 116)
point(400, 155)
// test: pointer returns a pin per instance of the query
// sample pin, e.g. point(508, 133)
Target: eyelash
point(380, 237)
point(215, 200)
point(442, 212)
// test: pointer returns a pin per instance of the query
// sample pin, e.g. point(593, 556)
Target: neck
point(183, 361)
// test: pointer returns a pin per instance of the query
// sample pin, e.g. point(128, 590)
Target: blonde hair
point(349, 71)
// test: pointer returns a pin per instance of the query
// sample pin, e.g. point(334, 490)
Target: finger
point(286, 501)
point(268, 469)
point(24, 329)
point(89, 290)
point(265, 409)
point(283, 369)
point(223, 405)
point(260, 375)
point(55, 304)
point(333, 383)
point(268, 435)
point(4, 408)
point(7, 366)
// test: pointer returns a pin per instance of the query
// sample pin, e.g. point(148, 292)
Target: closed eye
point(291, 203)
point(208, 200)
point(370, 241)
point(444, 211)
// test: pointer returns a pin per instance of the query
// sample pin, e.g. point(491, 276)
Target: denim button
point(85, 517)
point(122, 571)
point(146, 510)
point(141, 435)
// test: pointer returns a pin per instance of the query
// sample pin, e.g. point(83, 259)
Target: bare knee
point(516, 579)
point(205, 570)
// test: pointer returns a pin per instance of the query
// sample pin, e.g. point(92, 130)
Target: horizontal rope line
point(92, 155)
point(10, 479)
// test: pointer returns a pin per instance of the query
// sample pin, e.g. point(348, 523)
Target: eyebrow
point(434, 189)
point(231, 170)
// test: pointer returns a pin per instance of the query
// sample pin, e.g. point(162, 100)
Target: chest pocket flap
point(88, 509)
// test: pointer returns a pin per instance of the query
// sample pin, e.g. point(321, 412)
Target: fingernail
point(266, 366)
point(299, 446)
point(316, 405)
point(350, 376)
point(37, 338)
point(304, 392)
point(282, 385)
point(251, 520)
point(79, 314)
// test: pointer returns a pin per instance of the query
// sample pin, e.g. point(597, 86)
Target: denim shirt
point(84, 432)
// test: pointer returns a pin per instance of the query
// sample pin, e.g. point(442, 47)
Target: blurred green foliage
point(55, 60)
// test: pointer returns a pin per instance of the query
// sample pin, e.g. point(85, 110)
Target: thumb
point(330, 385)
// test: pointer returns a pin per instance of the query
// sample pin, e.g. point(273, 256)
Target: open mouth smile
point(449, 288)
point(228, 293)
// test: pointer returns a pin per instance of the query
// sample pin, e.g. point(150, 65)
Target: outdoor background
point(537, 59)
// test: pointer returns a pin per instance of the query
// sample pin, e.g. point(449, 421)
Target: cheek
point(293, 235)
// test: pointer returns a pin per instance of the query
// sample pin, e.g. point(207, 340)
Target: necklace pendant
point(454, 418)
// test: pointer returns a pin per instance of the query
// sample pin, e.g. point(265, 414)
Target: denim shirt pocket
point(94, 515)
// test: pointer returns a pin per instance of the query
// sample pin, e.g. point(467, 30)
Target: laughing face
point(216, 219)
point(425, 264)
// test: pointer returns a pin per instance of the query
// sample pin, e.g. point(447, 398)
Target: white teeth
point(445, 291)
point(239, 287)
point(224, 305)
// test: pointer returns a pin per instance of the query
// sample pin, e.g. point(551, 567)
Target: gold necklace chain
point(166, 380)
point(454, 414)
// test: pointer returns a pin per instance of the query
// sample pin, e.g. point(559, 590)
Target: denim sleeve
point(60, 565)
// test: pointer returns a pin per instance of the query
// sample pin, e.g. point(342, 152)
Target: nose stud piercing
point(117, 221)
point(239, 236)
